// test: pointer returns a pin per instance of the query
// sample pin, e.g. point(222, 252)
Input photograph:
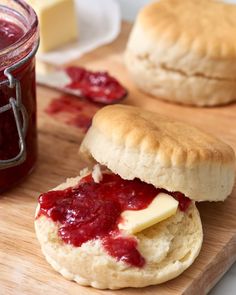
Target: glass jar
point(19, 40)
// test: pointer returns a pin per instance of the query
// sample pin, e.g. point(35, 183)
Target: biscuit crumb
point(97, 173)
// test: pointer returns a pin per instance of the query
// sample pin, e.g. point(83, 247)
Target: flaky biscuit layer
point(176, 86)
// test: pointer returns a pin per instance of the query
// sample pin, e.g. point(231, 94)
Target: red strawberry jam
point(12, 34)
point(96, 86)
point(9, 33)
point(92, 211)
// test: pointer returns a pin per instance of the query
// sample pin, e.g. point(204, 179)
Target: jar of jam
point(18, 137)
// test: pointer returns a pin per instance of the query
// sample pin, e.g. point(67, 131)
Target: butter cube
point(162, 207)
point(57, 20)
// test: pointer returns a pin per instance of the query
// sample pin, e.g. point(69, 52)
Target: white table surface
point(227, 285)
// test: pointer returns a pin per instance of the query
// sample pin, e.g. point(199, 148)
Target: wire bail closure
point(19, 111)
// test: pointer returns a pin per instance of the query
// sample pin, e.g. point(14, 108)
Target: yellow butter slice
point(162, 207)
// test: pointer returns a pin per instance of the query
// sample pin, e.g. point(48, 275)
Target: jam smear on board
point(98, 87)
point(10, 33)
point(72, 111)
point(93, 211)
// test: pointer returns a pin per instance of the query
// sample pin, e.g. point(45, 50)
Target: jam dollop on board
point(98, 87)
point(93, 210)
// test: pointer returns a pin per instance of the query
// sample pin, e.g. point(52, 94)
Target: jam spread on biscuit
point(92, 210)
point(96, 86)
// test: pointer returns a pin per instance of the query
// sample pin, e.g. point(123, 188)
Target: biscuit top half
point(161, 151)
point(196, 37)
point(179, 144)
point(208, 27)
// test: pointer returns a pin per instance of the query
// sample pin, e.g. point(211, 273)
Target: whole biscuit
point(185, 47)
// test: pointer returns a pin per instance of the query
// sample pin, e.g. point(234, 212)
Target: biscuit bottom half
point(169, 247)
point(177, 86)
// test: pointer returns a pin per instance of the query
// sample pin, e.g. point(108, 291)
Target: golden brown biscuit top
point(153, 133)
point(205, 27)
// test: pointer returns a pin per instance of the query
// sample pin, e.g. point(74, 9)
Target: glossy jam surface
point(96, 86)
point(92, 210)
point(124, 249)
point(9, 140)
point(9, 33)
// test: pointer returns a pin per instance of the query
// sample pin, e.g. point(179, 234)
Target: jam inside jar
point(18, 135)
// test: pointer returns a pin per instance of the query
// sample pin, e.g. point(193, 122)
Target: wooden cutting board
point(23, 269)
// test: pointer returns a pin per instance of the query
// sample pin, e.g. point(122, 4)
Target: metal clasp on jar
point(20, 114)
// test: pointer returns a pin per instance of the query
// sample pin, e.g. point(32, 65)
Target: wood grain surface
point(23, 269)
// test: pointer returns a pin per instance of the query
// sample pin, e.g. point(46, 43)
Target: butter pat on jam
point(162, 207)
point(58, 24)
